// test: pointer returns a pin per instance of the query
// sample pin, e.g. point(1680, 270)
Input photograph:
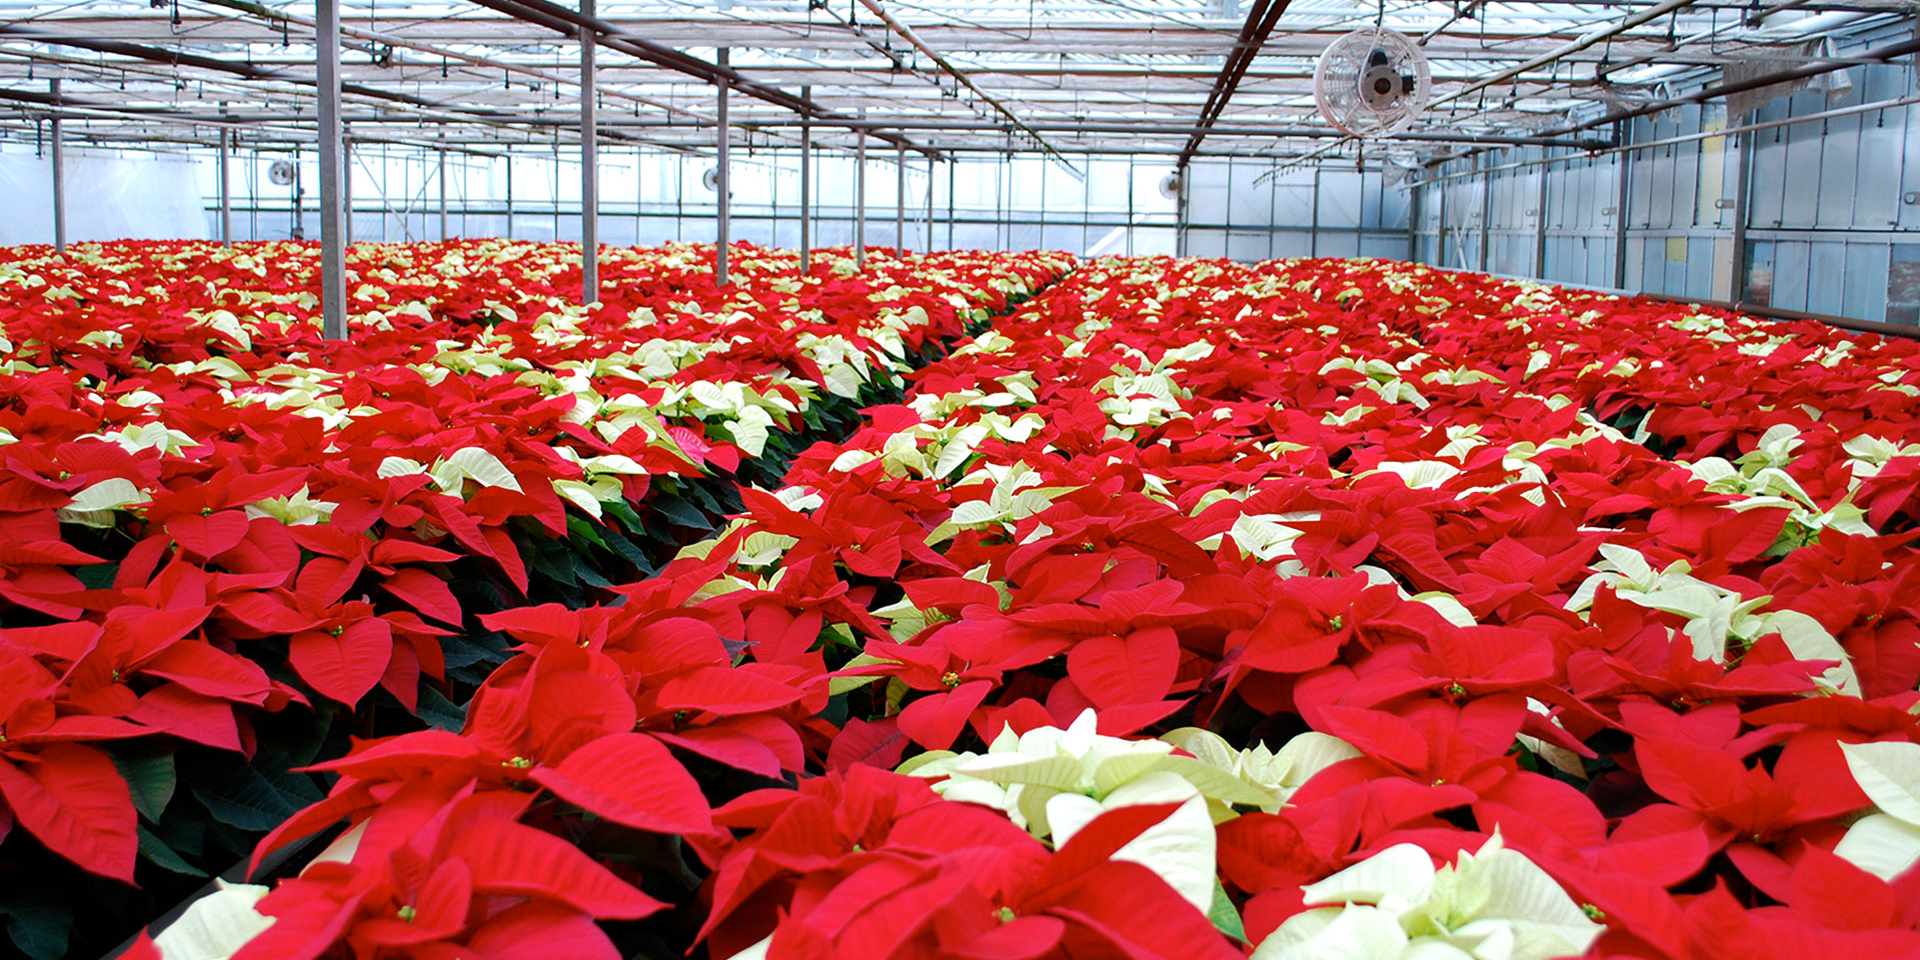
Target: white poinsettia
point(217, 925)
point(1266, 536)
point(1275, 773)
point(295, 510)
point(1868, 454)
point(1017, 495)
point(1885, 843)
point(1383, 379)
point(1493, 904)
point(1019, 772)
point(1053, 782)
point(1716, 617)
point(1180, 848)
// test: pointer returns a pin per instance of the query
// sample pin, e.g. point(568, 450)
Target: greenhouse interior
point(963, 480)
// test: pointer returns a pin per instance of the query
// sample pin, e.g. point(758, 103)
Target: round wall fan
point(1170, 186)
point(281, 173)
point(1372, 82)
point(711, 179)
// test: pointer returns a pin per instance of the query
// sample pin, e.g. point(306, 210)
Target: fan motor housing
point(1372, 82)
point(1382, 86)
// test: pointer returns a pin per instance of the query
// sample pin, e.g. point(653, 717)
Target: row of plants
point(1314, 608)
point(228, 545)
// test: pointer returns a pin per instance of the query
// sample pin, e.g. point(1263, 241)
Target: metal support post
point(900, 199)
point(1742, 158)
point(929, 207)
point(806, 185)
point(1313, 220)
point(1540, 219)
point(1439, 187)
point(1180, 213)
point(1621, 135)
point(346, 184)
point(333, 248)
point(953, 166)
point(441, 175)
point(1486, 213)
point(58, 153)
point(723, 227)
point(1413, 219)
point(226, 189)
point(860, 199)
point(589, 167)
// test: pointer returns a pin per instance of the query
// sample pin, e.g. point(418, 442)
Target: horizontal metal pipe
point(1891, 51)
point(1670, 141)
point(952, 126)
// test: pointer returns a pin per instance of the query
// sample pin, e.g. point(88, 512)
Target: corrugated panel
point(1790, 275)
point(1293, 200)
point(1826, 269)
point(1250, 204)
point(1206, 243)
point(1396, 205)
point(1876, 199)
point(1642, 171)
point(1149, 241)
point(1868, 267)
point(1385, 245)
point(1291, 243)
point(1801, 205)
point(1839, 161)
point(1339, 198)
point(1768, 178)
point(1248, 246)
point(1338, 245)
point(1071, 238)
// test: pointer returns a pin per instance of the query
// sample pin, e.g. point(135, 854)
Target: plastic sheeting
point(108, 198)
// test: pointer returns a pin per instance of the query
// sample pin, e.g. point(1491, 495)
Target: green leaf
point(553, 562)
point(162, 856)
point(1225, 918)
point(578, 529)
point(38, 924)
point(680, 513)
point(583, 570)
point(98, 576)
point(241, 797)
point(440, 712)
point(627, 548)
point(150, 776)
point(621, 511)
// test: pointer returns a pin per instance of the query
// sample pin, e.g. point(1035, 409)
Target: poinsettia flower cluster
point(1196, 609)
point(199, 490)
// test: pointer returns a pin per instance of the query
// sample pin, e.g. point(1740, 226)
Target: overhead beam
point(1558, 53)
point(959, 76)
point(555, 17)
point(431, 109)
point(265, 12)
point(1882, 54)
point(1253, 35)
